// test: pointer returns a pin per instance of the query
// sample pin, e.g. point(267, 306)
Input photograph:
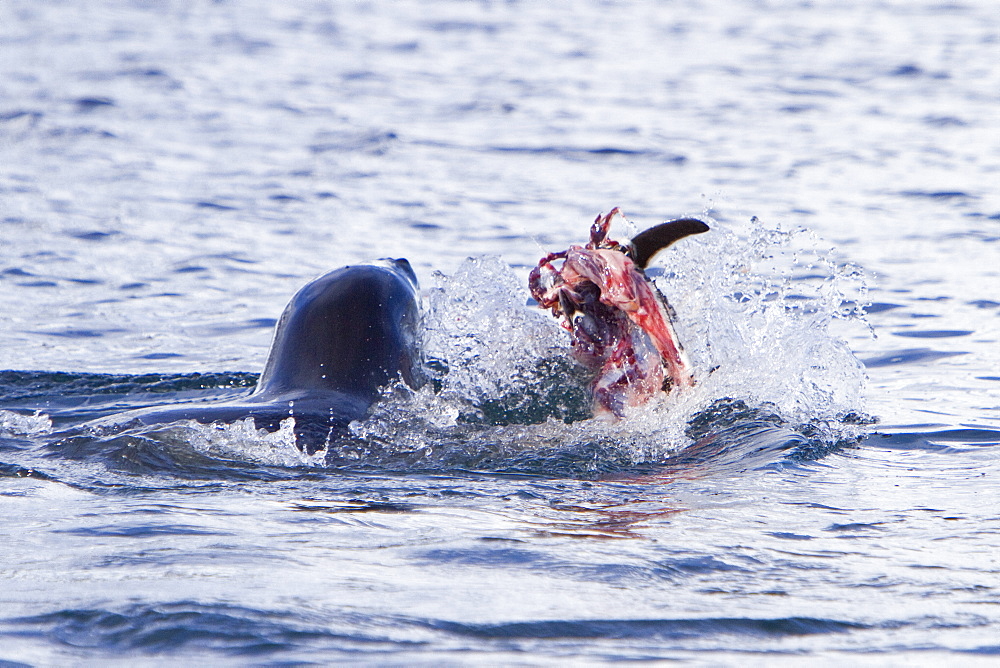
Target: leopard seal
point(342, 338)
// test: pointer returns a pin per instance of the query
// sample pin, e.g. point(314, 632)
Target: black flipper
point(648, 243)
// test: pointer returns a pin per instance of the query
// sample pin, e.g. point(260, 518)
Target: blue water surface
point(171, 171)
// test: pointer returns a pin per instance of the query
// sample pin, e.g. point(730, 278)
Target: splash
point(479, 330)
point(242, 440)
point(16, 424)
point(756, 309)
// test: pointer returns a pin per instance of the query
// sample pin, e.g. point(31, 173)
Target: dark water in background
point(171, 172)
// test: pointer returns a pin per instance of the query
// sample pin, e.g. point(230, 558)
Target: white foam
point(242, 440)
point(15, 424)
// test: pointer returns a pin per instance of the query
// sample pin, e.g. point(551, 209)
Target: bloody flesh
point(619, 323)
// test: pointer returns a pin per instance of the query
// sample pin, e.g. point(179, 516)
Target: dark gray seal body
point(341, 339)
point(351, 331)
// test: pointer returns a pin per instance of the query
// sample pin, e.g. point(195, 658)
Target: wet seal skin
point(342, 338)
point(619, 322)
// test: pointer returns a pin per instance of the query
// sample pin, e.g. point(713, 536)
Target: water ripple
point(663, 629)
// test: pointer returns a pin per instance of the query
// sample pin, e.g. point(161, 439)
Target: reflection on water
point(617, 521)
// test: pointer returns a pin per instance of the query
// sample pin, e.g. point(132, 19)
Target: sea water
point(172, 171)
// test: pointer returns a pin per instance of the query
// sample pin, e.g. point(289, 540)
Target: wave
point(215, 629)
